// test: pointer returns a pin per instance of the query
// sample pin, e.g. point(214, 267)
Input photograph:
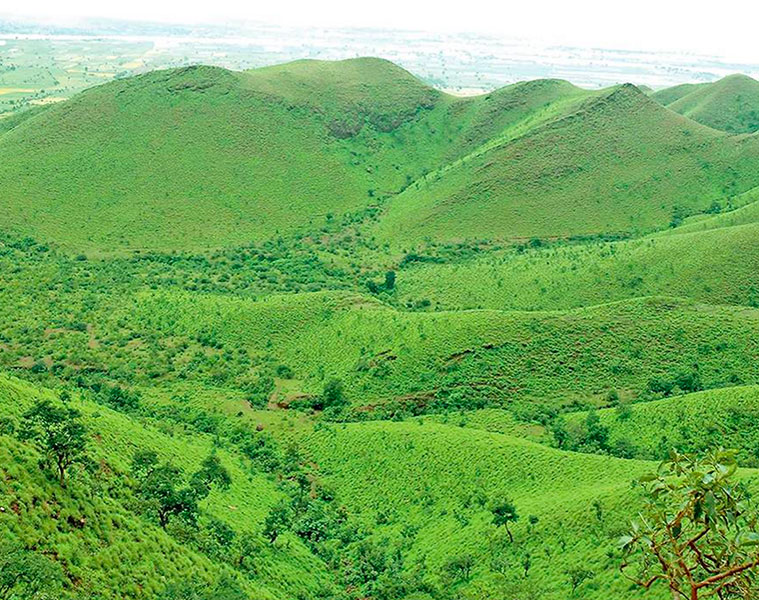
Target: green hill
point(201, 156)
point(701, 260)
point(410, 484)
point(380, 309)
point(185, 158)
point(730, 104)
point(621, 163)
point(394, 361)
point(350, 93)
point(669, 95)
point(690, 423)
point(428, 486)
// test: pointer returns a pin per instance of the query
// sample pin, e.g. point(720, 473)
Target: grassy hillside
point(743, 209)
point(701, 260)
point(730, 104)
point(669, 95)
point(184, 158)
point(408, 485)
point(621, 163)
point(381, 309)
point(93, 529)
point(690, 423)
point(350, 93)
point(214, 322)
point(203, 157)
point(424, 361)
point(428, 487)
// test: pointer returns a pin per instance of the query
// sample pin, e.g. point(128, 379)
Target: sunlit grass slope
point(669, 95)
point(182, 158)
point(469, 357)
point(349, 92)
point(425, 487)
point(431, 484)
point(700, 260)
point(105, 548)
point(203, 157)
point(730, 104)
point(745, 210)
point(691, 423)
point(621, 163)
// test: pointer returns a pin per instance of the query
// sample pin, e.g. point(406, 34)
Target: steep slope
point(691, 423)
point(93, 528)
point(350, 93)
point(203, 157)
point(171, 159)
point(621, 163)
point(199, 157)
point(669, 95)
point(428, 487)
point(730, 104)
point(483, 121)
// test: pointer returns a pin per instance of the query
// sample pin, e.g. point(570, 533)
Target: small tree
point(596, 434)
point(459, 567)
point(696, 532)
point(58, 432)
point(526, 563)
point(577, 576)
point(261, 448)
point(333, 394)
point(160, 489)
point(278, 520)
point(211, 473)
point(160, 485)
point(504, 512)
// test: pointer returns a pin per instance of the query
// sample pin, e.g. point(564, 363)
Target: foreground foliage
point(697, 532)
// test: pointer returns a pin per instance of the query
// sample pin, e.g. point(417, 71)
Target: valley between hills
point(321, 330)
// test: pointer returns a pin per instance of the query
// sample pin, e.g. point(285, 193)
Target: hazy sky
point(727, 28)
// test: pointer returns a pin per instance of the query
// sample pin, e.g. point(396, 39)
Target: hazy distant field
point(57, 62)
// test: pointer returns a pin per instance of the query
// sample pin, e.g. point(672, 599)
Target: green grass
point(707, 260)
point(621, 163)
point(411, 484)
point(267, 207)
point(464, 358)
point(437, 480)
point(669, 95)
point(496, 420)
point(172, 159)
point(203, 157)
point(746, 211)
point(690, 423)
point(119, 554)
point(730, 104)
